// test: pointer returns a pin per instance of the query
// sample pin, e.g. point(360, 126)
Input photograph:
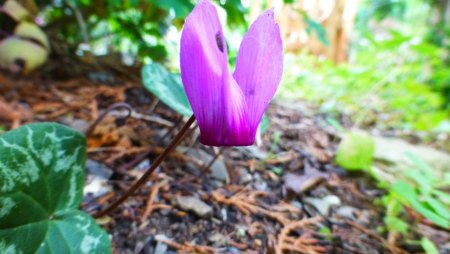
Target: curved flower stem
point(118, 105)
point(176, 140)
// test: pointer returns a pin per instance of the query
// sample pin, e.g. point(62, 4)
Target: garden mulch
point(283, 195)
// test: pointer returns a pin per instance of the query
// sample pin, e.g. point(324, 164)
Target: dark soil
point(265, 205)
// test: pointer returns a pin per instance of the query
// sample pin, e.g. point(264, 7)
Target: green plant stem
point(176, 140)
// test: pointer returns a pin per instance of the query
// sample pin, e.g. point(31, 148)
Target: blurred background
point(383, 63)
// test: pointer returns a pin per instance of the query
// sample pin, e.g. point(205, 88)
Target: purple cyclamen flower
point(228, 108)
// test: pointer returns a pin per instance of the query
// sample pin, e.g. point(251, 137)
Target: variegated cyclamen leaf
point(41, 188)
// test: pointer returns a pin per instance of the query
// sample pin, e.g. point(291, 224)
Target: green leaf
point(180, 7)
point(393, 205)
point(265, 123)
point(157, 52)
point(404, 192)
point(444, 197)
point(428, 246)
point(41, 187)
point(167, 87)
point(335, 124)
point(326, 232)
point(396, 224)
point(235, 13)
point(421, 165)
point(277, 170)
point(355, 152)
point(439, 207)
point(421, 180)
point(428, 213)
point(312, 25)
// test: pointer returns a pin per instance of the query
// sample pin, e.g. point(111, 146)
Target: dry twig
point(392, 248)
point(189, 248)
point(151, 199)
point(247, 202)
point(302, 244)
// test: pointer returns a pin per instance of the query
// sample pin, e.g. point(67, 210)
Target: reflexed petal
point(259, 65)
point(218, 104)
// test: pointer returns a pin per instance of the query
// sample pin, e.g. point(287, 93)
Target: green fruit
point(19, 55)
point(355, 152)
point(15, 10)
point(31, 31)
point(26, 50)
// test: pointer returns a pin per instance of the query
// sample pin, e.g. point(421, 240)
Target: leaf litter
point(263, 213)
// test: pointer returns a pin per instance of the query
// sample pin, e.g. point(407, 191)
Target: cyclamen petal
point(259, 65)
point(229, 108)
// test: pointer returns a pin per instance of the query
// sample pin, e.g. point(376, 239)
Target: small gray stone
point(165, 211)
point(301, 183)
point(346, 212)
point(391, 158)
point(258, 183)
point(215, 237)
point(323, 205)
point(254, 152)
point(80, 125)
point(296, 204)
point(98, 169)
point(245, 176)
point(160, 237)
point(144, 165)
point(161, 248)
point(193, 204)
point(218, 169)
point(233, 250)
point(218, 239)
point(97, 186)
point(97, 179)
point(224, 213)
point(216, 183)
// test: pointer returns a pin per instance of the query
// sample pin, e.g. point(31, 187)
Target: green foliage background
point(136, 27)
point(398, 75)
